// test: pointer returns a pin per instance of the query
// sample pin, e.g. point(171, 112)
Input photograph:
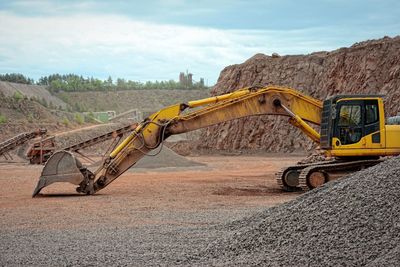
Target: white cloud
point(99, 45)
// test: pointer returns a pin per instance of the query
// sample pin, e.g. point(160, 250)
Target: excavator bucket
point(62, 166)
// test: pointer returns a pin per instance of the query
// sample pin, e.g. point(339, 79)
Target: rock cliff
point(371, 67)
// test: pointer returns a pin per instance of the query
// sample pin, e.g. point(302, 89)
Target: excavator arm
point(181, 118)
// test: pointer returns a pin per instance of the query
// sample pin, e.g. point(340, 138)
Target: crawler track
point(296, 171)
point(312, 175)
point(333, 171)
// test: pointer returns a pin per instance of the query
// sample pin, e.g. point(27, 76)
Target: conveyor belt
point(19, 139)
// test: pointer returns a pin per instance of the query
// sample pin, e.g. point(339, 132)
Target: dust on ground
point(219, 185)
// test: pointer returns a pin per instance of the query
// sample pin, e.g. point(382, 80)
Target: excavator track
point(295, 170)
point(318, 174)
point(280, 178)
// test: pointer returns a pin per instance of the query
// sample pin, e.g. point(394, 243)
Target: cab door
point(374, 124)
point(349, 123)
point(357, 124)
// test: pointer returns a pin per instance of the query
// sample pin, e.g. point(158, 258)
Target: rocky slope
point(147, 101)
point(31, 91)
point(367, 67)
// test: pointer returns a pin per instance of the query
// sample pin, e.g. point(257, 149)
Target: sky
point(157, 39)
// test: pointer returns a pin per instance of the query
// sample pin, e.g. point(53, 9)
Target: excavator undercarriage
point(304, 177)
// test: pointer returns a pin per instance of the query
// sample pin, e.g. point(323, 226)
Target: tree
point(121, 84)
point(57, 83)
point(109, 83)
point(16, 78)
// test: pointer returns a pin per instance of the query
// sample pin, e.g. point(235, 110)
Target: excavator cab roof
point(335, 98)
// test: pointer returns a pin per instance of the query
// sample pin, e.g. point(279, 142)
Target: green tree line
point(76, 83)
point(16, 78)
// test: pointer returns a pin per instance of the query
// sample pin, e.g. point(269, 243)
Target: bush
point(79, 118)
point(18, 96)
point(30, 118)
point(65, 121)
point(90, 117)
point(3, 118)
point(43, 102)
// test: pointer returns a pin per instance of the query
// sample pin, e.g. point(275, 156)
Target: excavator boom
point(181, 118)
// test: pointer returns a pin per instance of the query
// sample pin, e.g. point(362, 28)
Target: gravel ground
point(145, 218)
point(351, 222)
point(102, 244)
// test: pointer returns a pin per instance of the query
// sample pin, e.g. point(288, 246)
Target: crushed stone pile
point(354, 221)
point(155, 159)
point(165, 158)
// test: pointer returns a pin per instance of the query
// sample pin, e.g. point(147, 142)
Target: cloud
point(100, 45)
point(41, 7)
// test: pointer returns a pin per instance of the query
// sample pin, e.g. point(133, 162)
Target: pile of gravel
point(162, 157)
point(350, 222)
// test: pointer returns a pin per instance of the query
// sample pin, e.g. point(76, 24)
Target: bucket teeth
point(39, 186)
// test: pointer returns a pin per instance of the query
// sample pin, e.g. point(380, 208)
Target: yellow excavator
point(352, 132)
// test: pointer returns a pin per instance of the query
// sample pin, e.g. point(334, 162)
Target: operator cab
point(352, 122)
point(356, 119)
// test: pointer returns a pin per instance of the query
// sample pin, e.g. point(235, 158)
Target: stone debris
point(353, 221)
point(164, 157)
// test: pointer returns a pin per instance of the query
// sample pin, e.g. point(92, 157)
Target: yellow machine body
point(379, 140)
point(352, 127)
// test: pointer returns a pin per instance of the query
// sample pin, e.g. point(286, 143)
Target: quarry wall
point(370, 67)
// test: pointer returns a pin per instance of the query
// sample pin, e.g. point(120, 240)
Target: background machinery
point(352, 132)
point(39, 152)
point(18, 140)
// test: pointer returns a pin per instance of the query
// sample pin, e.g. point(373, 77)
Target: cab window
point(350, 124)
point(371, 113)
point(350, 115)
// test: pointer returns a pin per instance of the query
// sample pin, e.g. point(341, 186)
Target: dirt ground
point(227, 188)
point(226, 182)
